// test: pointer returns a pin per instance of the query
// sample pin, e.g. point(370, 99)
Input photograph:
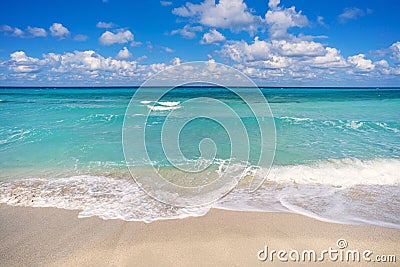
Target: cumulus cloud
point(89, 63)
point(329, 60)
point(360, 63)
point(213, 36)
point(176, 61)
point(105, 25)
point(124, 53)
point(188, 31)
point(299, 59)
point(21, 63)
point(281, 19)
point(165, 3)
point(81, 37)
point(59, 31)
point(227, 14)
point(272, 4)
point(352, 13)
point(395, 51)
point(37, 32)
point(30, 32)
point(260, 59)
point(279, 57)
point(120, 37)
point(82, 66)
point(6, 28)
point(168, 50)
point(18, 32)
point(135, 43)
point(13, 31)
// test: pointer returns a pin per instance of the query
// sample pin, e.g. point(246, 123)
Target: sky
point(275, 43)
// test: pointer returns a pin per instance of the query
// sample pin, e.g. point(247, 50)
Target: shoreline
point(51, 236)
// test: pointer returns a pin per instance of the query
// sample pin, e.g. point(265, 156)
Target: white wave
point(17, 135)
point(346, 191)
point(162, 108)
point(386, 127)
point(168, 103)
point(341, 191)
point(161, 103)
point(295, 119)
point(104, 197)
point(354, 124)
point(340, 172)
point(99, 117)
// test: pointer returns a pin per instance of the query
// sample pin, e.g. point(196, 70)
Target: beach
point(71, 187)
point(57, 237)
point(199, 133)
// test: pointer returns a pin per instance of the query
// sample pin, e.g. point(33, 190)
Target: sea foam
point(345, 191)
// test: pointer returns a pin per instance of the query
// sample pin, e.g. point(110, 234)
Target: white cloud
point(212, 36)
point(331, 59)
point(261, 59)
point(228, 14)
point(84, 66)
point(165, 3)
point(292, 58)
point(303, 59)
point(395, 51)
point(37, 32)
point(135, 43)
point(105, 25)
point(59, 31)
point(241, 51)
point(168, 50)
point(29, 33)
point(6, 28)
point(21, 63)
point(141, 58)
point(272, 4)
point(13, 31)
point(18, 32)
point(188, 31)
point(90, 63)
point(281, 19)
point(20, 57)
point(122, 36)
point(298, 48)
point(320, 20)
point(124, 53)
point(360, 63)
point(352, 13)
point(176, 61)
point(263, 50)
point(81, 37)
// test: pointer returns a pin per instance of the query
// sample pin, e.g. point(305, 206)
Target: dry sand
point(55, 237)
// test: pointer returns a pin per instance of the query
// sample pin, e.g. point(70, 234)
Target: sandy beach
point(56, 237)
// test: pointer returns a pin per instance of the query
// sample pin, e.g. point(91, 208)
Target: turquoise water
point(337, 151)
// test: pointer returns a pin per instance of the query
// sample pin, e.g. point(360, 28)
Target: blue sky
point(276, 43)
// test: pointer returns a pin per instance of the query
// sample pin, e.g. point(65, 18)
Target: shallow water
point(337, 152)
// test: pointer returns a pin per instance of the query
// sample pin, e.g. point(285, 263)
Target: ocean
point(337, 152)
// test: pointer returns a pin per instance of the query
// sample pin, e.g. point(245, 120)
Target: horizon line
point(203, 86)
